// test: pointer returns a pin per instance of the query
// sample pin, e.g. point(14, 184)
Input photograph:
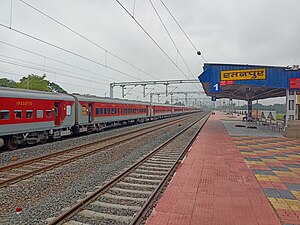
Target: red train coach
point(94, 113)
point(160, 110)
point(29, 117)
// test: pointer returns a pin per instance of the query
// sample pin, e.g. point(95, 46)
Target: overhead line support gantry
point(145, 83)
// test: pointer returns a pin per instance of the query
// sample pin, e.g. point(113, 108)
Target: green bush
point(279, 116)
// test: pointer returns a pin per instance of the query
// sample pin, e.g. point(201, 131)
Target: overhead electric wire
point(83, 57)
point(52, 72)
point(19, 75)
point(182, 29)
point(48, 71)
point(50, 67)
point(13, 74)
point(82, 86)
point(68, 51)
point(152, 39)
point(52, 59)
point(167, 31)
point(55, 60)
point(87, 39)
point(49, 58)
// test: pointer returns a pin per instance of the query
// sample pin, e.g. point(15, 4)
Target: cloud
point(252, 32)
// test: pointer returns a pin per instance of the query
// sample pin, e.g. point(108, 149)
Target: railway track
point(127, 198)
point(19, 171)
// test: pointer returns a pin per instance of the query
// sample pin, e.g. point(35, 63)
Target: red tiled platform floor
point(213, 186)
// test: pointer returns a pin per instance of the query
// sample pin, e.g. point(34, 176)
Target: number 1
point(216, 86)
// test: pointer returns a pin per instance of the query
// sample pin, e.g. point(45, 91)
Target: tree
point(34, 82)
point(4, 82)
point(279, 108)
point(56, 88)
point(167, 102)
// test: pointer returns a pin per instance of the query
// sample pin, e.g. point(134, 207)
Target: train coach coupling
point(1, 142)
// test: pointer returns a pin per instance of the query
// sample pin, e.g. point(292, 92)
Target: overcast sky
point(233, 31)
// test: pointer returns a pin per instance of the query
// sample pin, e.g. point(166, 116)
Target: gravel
point(108, 210)
point(39, 150)
point(47, 194)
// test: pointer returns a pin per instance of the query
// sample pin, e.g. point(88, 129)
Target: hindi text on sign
point(254, 74)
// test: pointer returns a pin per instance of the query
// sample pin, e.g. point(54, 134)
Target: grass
point(279, 116)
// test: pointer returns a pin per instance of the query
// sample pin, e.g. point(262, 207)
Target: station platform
point(227, 178)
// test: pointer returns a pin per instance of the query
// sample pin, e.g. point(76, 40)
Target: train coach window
point(4, 115)
point(18, 114)
point(106, 111)
point(113, 111)
point(99, 111)
point(69, 110)
point(40, 113)
point(29, 114)
point(49, 113)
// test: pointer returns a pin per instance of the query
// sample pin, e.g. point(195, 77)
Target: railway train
point(31, 117)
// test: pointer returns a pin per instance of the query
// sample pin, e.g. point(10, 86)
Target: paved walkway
point(214, 186)
point(275, 162)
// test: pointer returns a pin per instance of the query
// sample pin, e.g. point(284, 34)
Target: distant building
point(293, 105)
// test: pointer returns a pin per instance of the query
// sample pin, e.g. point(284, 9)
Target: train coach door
point(90, 113)
point(152, 111)
point(57, 113)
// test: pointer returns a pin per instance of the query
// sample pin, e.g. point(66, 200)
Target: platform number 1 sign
point(215, 87)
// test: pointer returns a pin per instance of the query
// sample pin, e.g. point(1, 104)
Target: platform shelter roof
point(248, 82)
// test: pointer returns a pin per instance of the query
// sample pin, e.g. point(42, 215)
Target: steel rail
point(29, 161)
point(82, 155)
point(142, 213)
point(92, 197)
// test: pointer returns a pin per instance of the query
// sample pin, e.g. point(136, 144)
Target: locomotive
point(31, 117)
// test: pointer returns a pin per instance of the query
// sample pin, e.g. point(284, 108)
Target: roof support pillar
point(231, 107)
point(286, 109)
point(249, 107)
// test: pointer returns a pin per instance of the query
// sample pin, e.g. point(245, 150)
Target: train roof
point(91, 98)
point(162, 104)
point(32, 94)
